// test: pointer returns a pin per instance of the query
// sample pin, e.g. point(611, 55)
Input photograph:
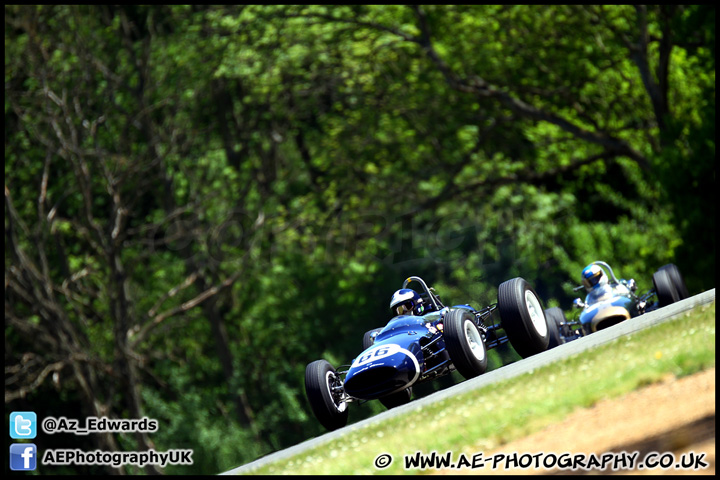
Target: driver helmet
point(406, 302)
point(592, 277)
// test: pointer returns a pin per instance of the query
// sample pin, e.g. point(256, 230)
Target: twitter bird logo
point(23, 425)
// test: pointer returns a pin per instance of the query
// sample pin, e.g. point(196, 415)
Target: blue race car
point(424, 341)
point(610, 301)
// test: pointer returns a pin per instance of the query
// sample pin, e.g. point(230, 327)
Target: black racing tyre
point(396, 399)
point(677, 280)
point(464, 343)
point(320, 377)
point(665, 288)
point(368, 340)
point(555, 317)
point(522, 317)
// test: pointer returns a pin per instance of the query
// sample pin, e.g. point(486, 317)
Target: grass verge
point(491, 416)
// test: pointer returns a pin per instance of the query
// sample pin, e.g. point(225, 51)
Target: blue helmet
point(406, 302)
point(592, 277)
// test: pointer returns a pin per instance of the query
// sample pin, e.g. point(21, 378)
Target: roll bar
point(436, 301)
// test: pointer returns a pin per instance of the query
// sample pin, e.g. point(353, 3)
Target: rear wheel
point(522, 317)
point(323, 388)
point(665, 288)
point(677, 280)
point(464, 343)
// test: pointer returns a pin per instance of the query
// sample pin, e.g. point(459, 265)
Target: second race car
point(610, 301)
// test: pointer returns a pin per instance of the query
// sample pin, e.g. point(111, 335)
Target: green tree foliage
point(200, 200)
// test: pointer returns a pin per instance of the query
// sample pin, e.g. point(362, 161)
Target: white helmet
point(406, 302)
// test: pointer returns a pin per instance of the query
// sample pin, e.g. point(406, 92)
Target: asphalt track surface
point(503, 373)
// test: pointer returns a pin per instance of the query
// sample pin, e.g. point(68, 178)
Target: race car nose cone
point(380, 370)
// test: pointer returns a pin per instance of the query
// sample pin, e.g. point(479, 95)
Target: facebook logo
point(23, 456)
point(23, 425)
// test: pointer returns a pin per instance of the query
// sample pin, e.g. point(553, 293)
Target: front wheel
point(555, 319)
point(464, 343)
point(323, 388)
point(522, 317)
point(396, 399)
point(369, 338)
